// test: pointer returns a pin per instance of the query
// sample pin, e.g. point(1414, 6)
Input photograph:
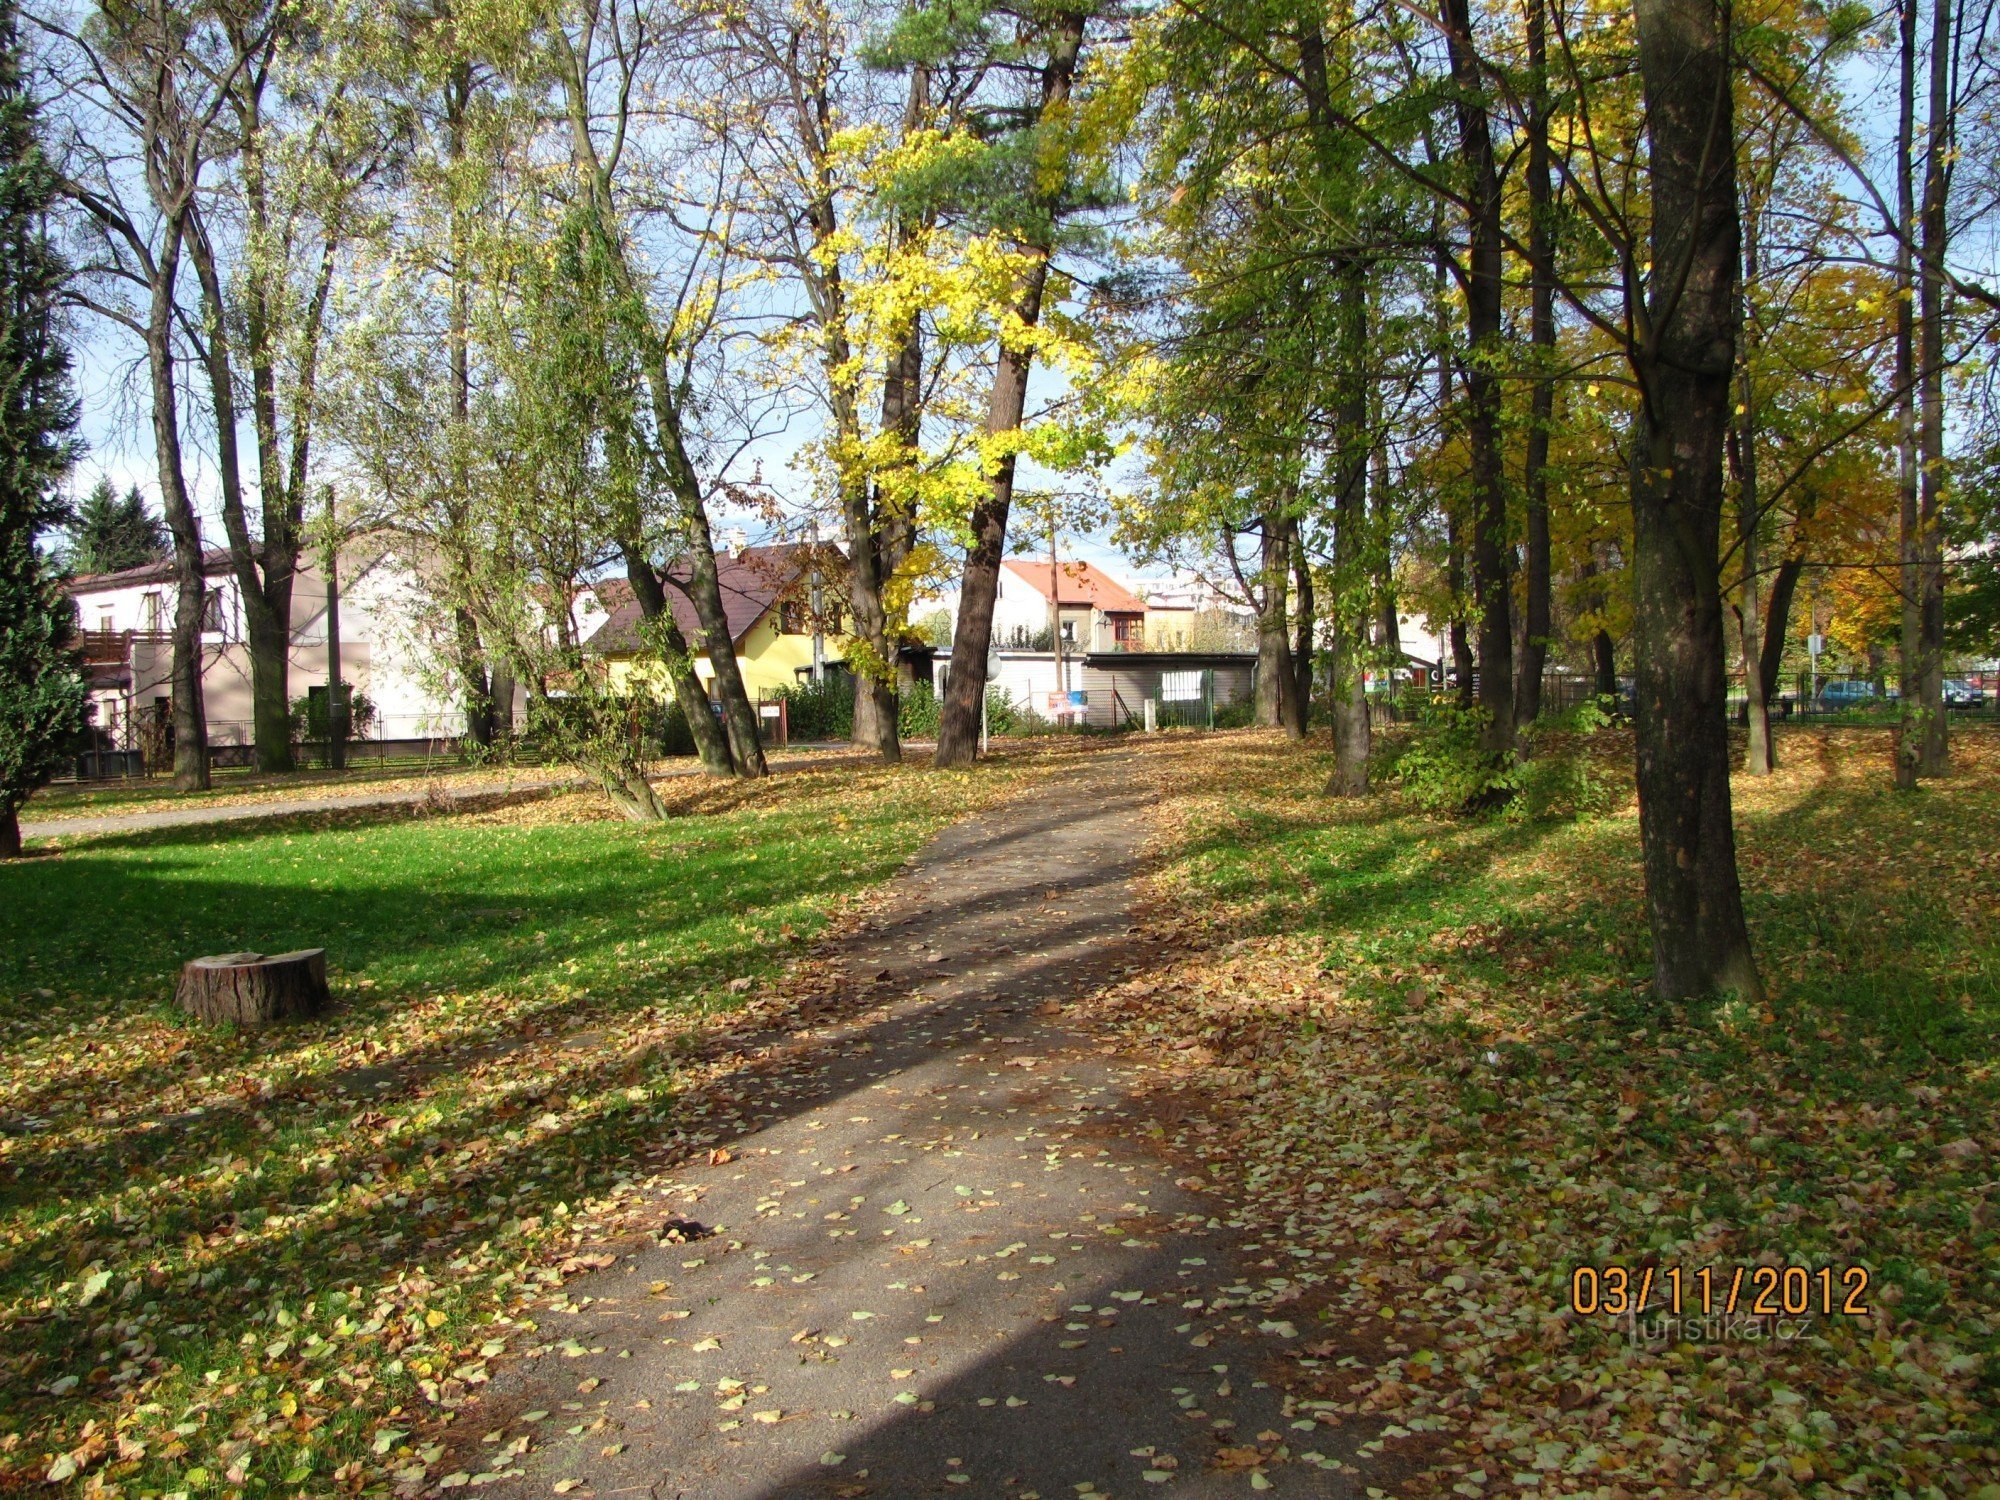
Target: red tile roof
point(1082, 583)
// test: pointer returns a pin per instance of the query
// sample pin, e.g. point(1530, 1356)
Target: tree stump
point(253, 990)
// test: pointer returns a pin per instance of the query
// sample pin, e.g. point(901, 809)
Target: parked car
point(1845, 692)
point(1958, 693)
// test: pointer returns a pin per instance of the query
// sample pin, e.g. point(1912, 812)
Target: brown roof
point(1082, 583)
point(751, 582)
point(214, 562)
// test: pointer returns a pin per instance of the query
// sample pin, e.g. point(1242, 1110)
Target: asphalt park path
point(945, 1258)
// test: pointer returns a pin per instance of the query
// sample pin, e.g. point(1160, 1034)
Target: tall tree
point(1039, 155)
point(1480, 279)
point(150, 83)
point(1940, 148)
point(589, 41)
point(1536, 625)
point(109, 532)
point(1684, 362)
point(43, 699)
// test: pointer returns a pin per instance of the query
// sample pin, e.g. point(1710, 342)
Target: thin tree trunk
point(1388, 627)
point(190, 581)
point(1759, 755)
point(1274, 651)
point(473, 681)
point(1603, 658)
point(473, 667)
point(1298, 702)
point(1483, 307)
point(267, 631)
point(1777, 623)
point(10, 832)
point(1909, 646)
point(1348, 619)
point(1934, 746)
point(1542, 396)
point(1349, 690)
point(704, 591)
point(979, 584)
point(1684, 360)
point(879, 533)
point(711, 743)
point(336, 701)
point(1464, 667)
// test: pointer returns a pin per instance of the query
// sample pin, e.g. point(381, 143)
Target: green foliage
point(43, 699)
point(825, 710)
point(309, 717)
point(110, 532)
point(1442, 767)
point(917, 718)
point(820, 710)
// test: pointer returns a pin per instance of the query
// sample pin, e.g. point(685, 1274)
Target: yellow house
point(766, 594)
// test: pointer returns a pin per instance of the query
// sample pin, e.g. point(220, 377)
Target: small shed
point(1185, 687)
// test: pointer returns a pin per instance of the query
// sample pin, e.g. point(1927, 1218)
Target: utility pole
point(813, 603)
point(336, 697)
point(1055, 614)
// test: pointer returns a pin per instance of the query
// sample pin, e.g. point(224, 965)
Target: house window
point(213, 619)
point(1180, 687)
point(1126, 631)
point(791, 618)
point(104, 621)
point(149, 612)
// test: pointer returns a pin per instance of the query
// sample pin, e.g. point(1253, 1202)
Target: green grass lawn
point(233, 1263)
point(246, 784)
point(1453, 1074)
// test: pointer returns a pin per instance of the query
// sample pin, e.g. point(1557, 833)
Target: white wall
point(389, 651)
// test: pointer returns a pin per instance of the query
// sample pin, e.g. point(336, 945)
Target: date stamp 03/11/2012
point(1705, 1303)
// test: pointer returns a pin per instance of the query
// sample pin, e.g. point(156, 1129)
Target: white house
point(388, 652)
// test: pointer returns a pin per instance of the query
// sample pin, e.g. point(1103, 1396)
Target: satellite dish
point(992, 662)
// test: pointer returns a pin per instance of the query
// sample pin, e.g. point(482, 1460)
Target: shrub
point(918, 719)
point(309, 727)
point(820, 710)
point(1441, 767)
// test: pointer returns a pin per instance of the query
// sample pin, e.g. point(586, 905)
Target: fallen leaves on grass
point(1444, 1087)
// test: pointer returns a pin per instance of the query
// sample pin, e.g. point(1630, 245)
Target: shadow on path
point(945, 1259)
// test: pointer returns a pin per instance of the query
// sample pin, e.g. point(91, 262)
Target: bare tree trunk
point(1388, 627)
point(1760, 755)
point(1463, 666)
point(190, 580)
point(474, 682)
point(1910, 649)
point(1349, 691)
point(10, 831)
point(1274, 651)
point(1685, 363)
point(1542, 399)
point(879, 530)
point(979, 584)
point(1483, 307)
point(1298, 700)
point(1603, 658)
point(711, 744)
point(1777, 623)
point(1934, 752)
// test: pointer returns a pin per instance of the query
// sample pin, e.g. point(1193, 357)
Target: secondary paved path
point(944, 1258)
